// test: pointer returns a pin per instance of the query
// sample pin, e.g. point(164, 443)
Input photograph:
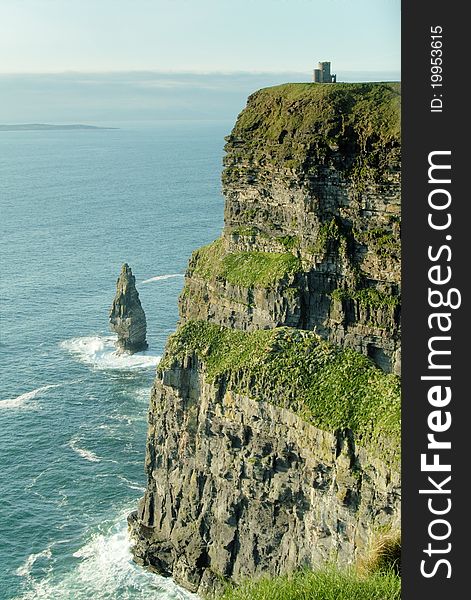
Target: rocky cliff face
point(273, 436)
point(312, 219)
point(127, 317)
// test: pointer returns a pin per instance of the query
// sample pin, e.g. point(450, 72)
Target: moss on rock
point(299, 125)
point(367, 297)
point(247, 269)
point(384, 242)
point(330, 387)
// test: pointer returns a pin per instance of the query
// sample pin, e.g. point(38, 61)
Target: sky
point(39, 36)
point(72, 53)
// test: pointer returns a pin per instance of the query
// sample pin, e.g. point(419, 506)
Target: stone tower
point(322, 73)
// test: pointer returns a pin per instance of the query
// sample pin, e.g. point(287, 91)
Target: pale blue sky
point(39, 36)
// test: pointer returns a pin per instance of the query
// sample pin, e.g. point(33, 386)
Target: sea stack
point(127, 317)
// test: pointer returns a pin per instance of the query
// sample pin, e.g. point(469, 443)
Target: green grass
point(367, 297)
point(299, 125)
point(247, 269)
point(289, 242)
point(328, 232)
point(326, 584)
point(330, 387)
point(246, 231)
point(384, 242)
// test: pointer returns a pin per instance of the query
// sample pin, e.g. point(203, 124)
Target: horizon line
point(185, 72)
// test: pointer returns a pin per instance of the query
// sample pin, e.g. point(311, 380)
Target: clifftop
point(299, 125)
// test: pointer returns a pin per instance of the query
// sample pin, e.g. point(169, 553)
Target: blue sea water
point(74, 206)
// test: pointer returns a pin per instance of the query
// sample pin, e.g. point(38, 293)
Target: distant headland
point(47, 127)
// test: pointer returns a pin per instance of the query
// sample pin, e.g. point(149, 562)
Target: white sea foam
point(143, 393)
point(100, 353)
point(24, 400)
point(132, 485)
point(105, 570)
point(86, 454)
point(26, 567)
point(162, 277)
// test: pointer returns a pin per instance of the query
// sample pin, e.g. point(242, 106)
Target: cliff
point(312, 219)
point(273, 436)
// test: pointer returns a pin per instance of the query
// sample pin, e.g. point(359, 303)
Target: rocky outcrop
point(241, 488)
point(251, 468)
point(127, 317)
point(274, 423)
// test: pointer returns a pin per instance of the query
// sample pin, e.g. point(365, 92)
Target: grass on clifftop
point(247, 269)
point(327, 584)
point(330, 387)
point(290, 124)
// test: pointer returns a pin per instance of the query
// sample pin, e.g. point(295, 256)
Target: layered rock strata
point(274, 423)
point(127, 317)
point(312, 186)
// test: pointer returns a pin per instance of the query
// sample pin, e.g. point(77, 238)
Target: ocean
point(75, 205)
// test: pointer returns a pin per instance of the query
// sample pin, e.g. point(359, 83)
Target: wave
point(27, 566)
point(103, 570)
point(86, 454)
point(100, 353)
point(24, 400)
point(143, 393)
point(162, 277)
point(132, 485)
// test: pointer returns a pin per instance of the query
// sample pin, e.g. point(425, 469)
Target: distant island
point(47, 127)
